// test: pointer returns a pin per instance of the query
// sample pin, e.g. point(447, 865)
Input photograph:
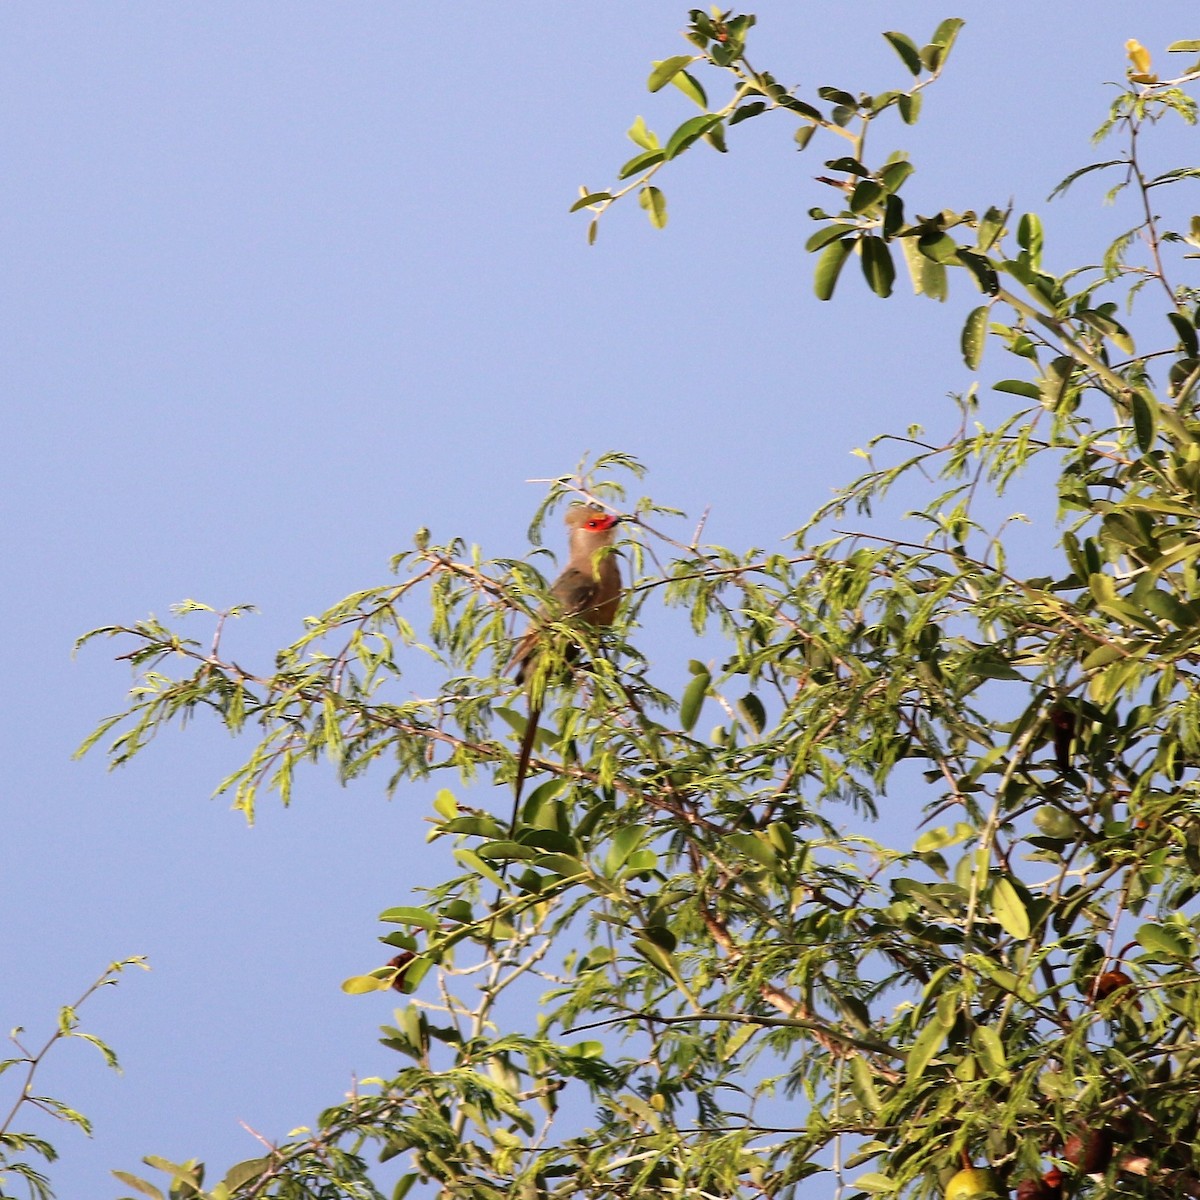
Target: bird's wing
point(576, 591)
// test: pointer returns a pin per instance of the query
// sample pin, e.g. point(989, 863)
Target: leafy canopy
point(692, 965)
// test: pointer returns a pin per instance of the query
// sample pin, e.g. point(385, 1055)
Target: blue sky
point(287, 281)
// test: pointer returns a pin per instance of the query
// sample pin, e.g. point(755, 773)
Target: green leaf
point(590, 199)
point(641, 860)
point(1186, 332)
point(1000, 976)
point(751, 707)
point(360, 985)
point(862, 1080)
point(505, 851)
point(829, 267)
point(928, 277)
point(689, 85)
point(1111, 329)
point(877, 265)
point(473, 862)
point(1170, 608)
point(1144, 409)
point(420, 917)
point(1018, 387)
point(849, 166)
point(139, 1185)
point(1009, 909)
point(641, 136)
point(875, 1183)
point(924, 1049)
point(626, 840)
point(242, 1173)
point(667, 69)
point(982, 270)
point(938, 246)
point(946, 33)
point(798, 106)
point(746, 111)
point(655, 204)
point(910, 107)
point(906, 48)
point(693, 700)
point(753, 847)
point(1160, 942)
point(1030, 237)
point(974, 335)
point(837, 96)
point(657, 957)
point(445, 805)
point(640, 162)
point(690, 131)
point(866, 195)
point(990, 1049)
point(804, 135)
point(943, 836)
point(893, 175)
point(830, 233)
point(404, 1184)
point(566, 865)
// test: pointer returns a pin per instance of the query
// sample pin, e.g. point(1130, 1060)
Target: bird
point(589, 589)
point(589, 586)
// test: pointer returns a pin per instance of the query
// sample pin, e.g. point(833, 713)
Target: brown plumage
point(590, 584)
point(588, 588)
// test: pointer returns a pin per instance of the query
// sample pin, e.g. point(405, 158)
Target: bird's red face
point(601, 523)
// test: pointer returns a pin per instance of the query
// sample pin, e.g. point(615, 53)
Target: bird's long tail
point(526, 752)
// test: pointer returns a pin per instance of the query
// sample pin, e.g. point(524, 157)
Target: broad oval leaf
point(640, 162)
point(624, 843)
point(1144, 409)
point(242, 1173)
point(746, 111)
point(656, 956)
point(690, 86)
point(666, 70)
point(690, 131)
point(139, 1185)
point(420, 917)
point(929, 1041)
point(877, 265)
point(990, 1049)
point(655, 204)
point(973, 336)
point(561, 864)
point(505, 851)
point(906, 48)
point(753, 847)
point(640, 135)
point(829, 267)
point(1009, 909)
point(875, 1183)
point(589, 199)
point(1161, 942)
point(693, 700)
point(360, 985)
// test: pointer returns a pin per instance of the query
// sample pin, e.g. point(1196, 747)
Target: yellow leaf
point(1139, 59)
